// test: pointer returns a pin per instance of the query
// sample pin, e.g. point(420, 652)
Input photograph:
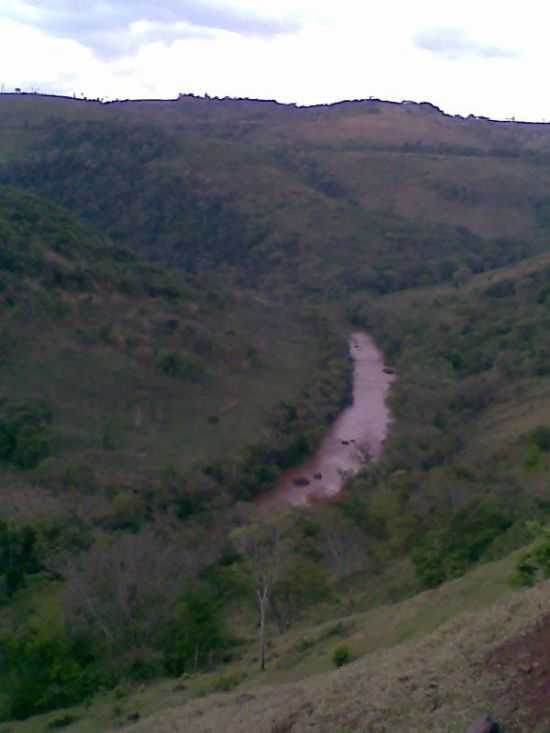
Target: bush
point(341, 656)
point(536, 563)
point(63, 721)
point(540, 437)
point(525, 574)
point(43, 674)
point(197, 633)
point(18, 556)
point(226, 682)
point(448, 552)
point(24, 434)
point(182, 365)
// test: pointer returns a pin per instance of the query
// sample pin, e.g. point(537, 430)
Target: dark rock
point(389, 370)
point(344, 442)
point(484, 725)
point(318, 476)
point(301, 481)
point(133, 717)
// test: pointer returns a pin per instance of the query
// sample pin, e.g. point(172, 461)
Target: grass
point(93, 355)
point(438, 637)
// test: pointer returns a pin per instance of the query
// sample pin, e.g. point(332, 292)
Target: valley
point(178, 285)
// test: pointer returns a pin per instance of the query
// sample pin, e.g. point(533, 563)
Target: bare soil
point(523, 664)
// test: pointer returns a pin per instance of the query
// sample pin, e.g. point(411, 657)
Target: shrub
point(63, 721)
point(448, 552)
point(540, 437)
point(18, 556)
point(525, 572)
point(182, 365)
point(304, 645)
point(43, 674)
point(24, 434)
point(341, 656)
point(536, 563)
point(197, 634)
point(226, 682)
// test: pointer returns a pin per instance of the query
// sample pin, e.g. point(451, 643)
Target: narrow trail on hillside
point(356, 437)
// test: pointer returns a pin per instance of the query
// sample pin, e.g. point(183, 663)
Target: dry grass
point(439, 682)
point(420, 665)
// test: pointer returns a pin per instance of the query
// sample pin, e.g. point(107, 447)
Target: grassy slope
point(91, 352)
point(420, 665)
point(524, 401)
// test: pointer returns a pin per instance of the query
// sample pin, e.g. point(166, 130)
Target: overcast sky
point(485, 57)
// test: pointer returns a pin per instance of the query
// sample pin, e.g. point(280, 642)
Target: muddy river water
point(357, 435)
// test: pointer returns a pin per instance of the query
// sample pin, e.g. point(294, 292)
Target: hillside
point(177, 284)
point(441, 659)
point(401, 196)
point(141, 370)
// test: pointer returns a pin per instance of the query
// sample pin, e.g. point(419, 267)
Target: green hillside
point(142, 370)
point(178, 281)
point(257, 190)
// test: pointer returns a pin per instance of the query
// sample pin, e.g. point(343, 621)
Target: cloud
point(455, 43)
point(115, 28)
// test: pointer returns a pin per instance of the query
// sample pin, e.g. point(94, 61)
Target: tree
point(124, 592)
point(462, 276)
point(264, 547)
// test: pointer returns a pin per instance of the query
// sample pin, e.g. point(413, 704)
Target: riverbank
point(356, 437)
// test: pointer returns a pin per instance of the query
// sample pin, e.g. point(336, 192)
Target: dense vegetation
point(144, 409)
point(118, 342)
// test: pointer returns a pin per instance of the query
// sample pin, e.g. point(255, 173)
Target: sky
point(479, 57)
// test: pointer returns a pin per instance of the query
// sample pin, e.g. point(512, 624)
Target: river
point(357, 436)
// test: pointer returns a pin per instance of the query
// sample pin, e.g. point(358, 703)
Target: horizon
point(292, 51)
point(295, 105)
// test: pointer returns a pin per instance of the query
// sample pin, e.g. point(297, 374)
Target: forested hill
point(178, 280)
point(346, 197)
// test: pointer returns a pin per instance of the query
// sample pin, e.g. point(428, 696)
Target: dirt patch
point(522, 665)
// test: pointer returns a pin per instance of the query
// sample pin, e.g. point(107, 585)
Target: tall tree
point(264, 546)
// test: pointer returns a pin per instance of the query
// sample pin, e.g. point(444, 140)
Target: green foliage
point(24, 434)
point(303, 585)
point(63, 721)
point(226, 683)
point(535, 563)
point(18, 556)
point(197, 633)
point(183, 365)
point(448, 552)
point(540, 437)
point(43, 674)
point(341, 655)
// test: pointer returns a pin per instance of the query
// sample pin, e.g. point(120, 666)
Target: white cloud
point(106, 26)
point(468, 57)
point(455, 43)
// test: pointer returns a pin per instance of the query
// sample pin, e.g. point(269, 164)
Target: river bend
point(357, 436)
